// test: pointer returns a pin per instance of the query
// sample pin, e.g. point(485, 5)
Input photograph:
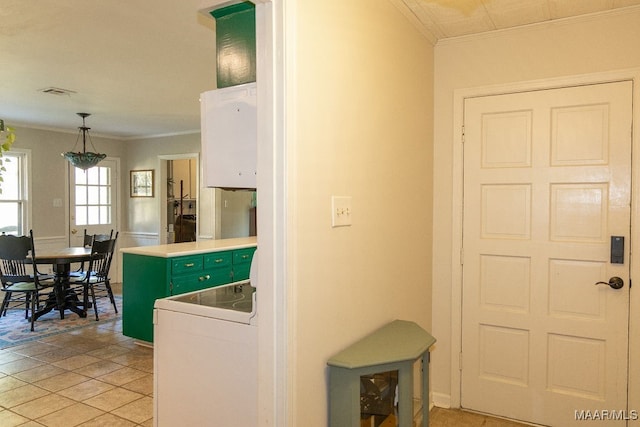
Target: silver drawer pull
point(245, 256)
point(189, 265)
point(205, 277)
point(219, 260)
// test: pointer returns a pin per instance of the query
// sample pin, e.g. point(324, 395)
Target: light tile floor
point(439, 417)
point(89, 377)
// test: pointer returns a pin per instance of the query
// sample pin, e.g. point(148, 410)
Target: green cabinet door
point(145, 279)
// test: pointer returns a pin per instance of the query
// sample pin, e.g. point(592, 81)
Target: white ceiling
point(139, 66)
point(451, 18)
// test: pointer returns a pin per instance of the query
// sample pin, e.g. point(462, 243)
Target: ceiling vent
point(57, 91)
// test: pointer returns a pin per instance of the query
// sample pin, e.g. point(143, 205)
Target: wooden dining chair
point(21, 281)
point(96, 283)
point(87, 242)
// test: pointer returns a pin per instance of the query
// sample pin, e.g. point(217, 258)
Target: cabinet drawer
point(217, 259)
point(202, 280)
point(186, 264)
point(243, 256)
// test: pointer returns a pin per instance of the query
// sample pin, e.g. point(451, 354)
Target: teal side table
point(394, 347)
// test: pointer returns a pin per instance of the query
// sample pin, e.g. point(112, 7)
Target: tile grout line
point(132, 406)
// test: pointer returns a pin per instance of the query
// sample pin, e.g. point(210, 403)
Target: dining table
point(63, 297)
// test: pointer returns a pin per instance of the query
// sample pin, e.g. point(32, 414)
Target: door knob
point(74, 231)
point(615, 283)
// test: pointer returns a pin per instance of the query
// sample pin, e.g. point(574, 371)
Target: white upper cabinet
point(229, 136)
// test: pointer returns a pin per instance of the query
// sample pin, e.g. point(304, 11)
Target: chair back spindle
point(17, 260)
point(97, 275)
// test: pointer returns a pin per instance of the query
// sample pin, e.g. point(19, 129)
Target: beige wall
point(362, 127)
point(185, 173)
point(547, 51)
point(49, 174)
point(142, 214)
point(233, 213)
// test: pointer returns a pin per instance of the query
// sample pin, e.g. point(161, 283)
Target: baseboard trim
point(441, 400)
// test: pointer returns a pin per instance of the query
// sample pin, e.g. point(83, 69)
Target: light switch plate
point(341, 211)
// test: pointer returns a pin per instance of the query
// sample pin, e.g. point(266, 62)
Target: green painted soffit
point(235, 44)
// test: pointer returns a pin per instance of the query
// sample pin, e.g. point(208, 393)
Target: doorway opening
point(182, 200)
point(179, 192)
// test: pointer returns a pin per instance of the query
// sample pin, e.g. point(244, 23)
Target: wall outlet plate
point(341, 211)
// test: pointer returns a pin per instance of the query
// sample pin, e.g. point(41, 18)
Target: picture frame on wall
point(141, 183)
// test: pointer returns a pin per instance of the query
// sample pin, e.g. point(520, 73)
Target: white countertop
point(192, 248)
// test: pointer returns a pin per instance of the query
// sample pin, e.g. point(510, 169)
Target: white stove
point(235, 302)
point(206, 357)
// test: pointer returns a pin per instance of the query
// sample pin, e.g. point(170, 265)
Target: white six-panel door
point(547, 182)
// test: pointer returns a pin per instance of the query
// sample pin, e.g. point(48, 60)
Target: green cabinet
point(147, 278)
point(195, 272)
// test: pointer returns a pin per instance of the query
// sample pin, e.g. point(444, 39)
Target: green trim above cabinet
point(235, 44)
point(234, 8)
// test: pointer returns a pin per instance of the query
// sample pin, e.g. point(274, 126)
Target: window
point(14, 207)
point(93, 196)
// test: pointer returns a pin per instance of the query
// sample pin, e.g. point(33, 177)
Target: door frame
point(117, 212)
point(632, 75)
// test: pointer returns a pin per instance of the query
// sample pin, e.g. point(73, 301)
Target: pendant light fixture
point(85, 159)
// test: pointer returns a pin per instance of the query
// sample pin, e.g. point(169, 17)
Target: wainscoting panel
point(131, 239)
